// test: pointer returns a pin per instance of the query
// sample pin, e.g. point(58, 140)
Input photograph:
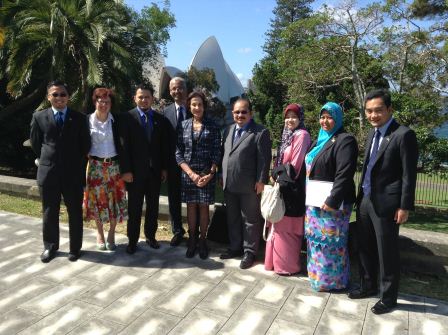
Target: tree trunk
point(24, 105)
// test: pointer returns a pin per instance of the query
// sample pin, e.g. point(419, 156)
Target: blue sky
point(238, 25)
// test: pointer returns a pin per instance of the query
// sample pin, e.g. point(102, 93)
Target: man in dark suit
point(245, 169)
point(175, 113)
point(60, 138)
point(386, 195)
point(143, 134)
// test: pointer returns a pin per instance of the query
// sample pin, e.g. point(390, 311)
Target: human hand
point(163, 175)
point(204, 180)
point(259, 187)
point(327, 208)
point(127, 177)
point(401, 216)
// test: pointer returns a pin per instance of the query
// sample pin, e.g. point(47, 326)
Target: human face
point(197, 108)
point(377, 113)
point(291, 120)
point(143, 99)
point(241, 113)
point(178, 92)
point(103, 104)
point(326, 121)
point(58, 97)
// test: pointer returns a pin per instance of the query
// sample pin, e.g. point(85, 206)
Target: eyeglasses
point(102, 102)
point(243, 112)
point(55, 95)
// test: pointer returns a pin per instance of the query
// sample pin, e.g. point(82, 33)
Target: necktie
point(366, 185)
point(147, 123)
point(180, 115)
point(59, 119)
point(239, 132)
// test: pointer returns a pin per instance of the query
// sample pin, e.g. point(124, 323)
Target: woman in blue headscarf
point(332, 158)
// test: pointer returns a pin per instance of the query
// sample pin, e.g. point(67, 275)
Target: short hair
point(197, 94)
point(58, 82)
point(179, 79)
point(379, 93)
point(102, 92)
point(146, 87)
point(241, 99)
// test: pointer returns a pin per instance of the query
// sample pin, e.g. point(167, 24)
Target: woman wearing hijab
point(331, 159)
point(285, 237)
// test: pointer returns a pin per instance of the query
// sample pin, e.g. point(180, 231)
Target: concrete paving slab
point(63, 320)
point(10, 299)
point(334, 325)
point(384, 325)
point(58, 296)
point(344, 307)
point(271, 293)
point(428, 324)
point(10, 263)
point(249, 319)
point(304, 307)
point(226, 297)
point(128, 307)
point(20, 274)
point(97, 327)
point(17, 320)
point(181, 300)
point(151, 322)
point(199, 322)
point(282, 327)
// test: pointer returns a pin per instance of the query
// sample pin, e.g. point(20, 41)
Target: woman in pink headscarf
point(284, 241)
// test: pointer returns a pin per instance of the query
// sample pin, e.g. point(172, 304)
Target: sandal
point(111, 246)
point(101, 246)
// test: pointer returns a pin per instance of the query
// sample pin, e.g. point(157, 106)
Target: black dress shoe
point(152, 242)
point(131, 249)
point(74, 255)
point(247, 261)
point(177, 239)
point(47, 255)
point(203, 248)
point(382, 308)
point(362, 293)
point(231, 254)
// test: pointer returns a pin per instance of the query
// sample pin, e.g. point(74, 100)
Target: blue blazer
point(207, 148)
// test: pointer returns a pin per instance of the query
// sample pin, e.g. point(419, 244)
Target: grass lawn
point(411, 283)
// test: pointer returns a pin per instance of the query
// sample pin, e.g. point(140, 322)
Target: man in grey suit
point(245, 170)
point(175, 113)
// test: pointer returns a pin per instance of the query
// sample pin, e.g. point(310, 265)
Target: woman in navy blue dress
point(198, 154)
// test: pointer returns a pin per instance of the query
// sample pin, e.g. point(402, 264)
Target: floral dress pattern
point(105, 194)
point(327, 237)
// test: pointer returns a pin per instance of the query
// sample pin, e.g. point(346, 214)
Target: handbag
point(272, 204)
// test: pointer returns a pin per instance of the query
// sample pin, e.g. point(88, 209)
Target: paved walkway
point(162, 292)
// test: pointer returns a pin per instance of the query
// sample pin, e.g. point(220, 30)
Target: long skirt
point(283, 246)
point(328, 261)
point(105, 194)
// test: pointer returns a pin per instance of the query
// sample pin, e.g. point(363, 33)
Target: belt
point(104, 159)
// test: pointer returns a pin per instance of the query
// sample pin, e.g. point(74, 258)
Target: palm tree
point(80, 41)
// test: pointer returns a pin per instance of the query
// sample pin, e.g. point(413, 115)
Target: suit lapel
point(386, 140)
point(326, 146)
point(242, 138)
point(49, 116)
point(229, 139)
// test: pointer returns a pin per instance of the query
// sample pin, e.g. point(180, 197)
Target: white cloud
point(244, 50)
point(240, 76)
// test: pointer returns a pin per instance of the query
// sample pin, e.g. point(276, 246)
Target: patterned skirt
point(105, 194)
point(328, 261)
point(193, 194)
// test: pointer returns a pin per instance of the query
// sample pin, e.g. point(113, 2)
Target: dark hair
point(196, 94)
point(146, 87)
point(102, 92)
point(379, 93)
point(59, 83)
point(249, 104)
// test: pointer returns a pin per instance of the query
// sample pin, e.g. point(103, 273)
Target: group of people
point(135, 151)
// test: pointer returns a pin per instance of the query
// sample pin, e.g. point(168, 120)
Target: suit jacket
point(336, 163)
point(394, 173)
point(140, 153)
point(170, 114)
point(62, 152)
point(248, 161)
point(208, 147)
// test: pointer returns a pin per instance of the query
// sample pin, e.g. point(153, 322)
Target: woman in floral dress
point(105, 194)
point(332, 158)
